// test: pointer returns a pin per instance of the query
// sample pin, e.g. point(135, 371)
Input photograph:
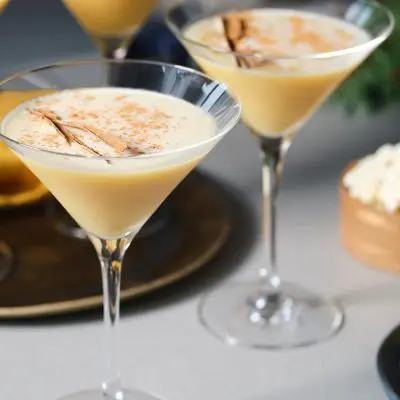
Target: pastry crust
point(370, 234)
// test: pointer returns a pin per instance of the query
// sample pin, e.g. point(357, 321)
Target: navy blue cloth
point(155, 41)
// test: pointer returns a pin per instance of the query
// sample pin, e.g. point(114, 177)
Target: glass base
point(98, 394)
point(244, 315)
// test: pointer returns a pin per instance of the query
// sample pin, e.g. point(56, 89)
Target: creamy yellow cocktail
point(279, 79)
point(110, 19)
point(115, 194)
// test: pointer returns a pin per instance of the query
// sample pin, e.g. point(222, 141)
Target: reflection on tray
point(55, 273)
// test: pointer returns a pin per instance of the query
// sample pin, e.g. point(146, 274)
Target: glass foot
point(99, 395)
point(244, 315)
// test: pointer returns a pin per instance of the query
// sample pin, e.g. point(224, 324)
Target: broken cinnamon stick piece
point(88, 148)
point(251, 60)
point(235, 30)
point(116, 143)
point(68, 138)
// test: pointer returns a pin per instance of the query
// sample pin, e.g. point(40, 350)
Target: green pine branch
point(376, 83)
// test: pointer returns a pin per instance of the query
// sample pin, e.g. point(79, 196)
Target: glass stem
point(111, 254)
point(115, 54)
point(112, 51)
point(273, 151)
point(267, 301)
point(113, 48)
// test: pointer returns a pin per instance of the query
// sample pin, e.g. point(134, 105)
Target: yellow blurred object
point(3, 4)
point(24, 190)
point(10, 165)
point(18, 185)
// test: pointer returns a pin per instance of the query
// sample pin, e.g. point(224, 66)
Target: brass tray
point(55, 274)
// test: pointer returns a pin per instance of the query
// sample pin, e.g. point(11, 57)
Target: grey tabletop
point(166, 350)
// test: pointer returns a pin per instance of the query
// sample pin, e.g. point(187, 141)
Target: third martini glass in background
point(112, 24)
point(283, 63)
point(111, 155)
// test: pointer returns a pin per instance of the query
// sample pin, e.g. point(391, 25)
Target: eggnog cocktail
point(110, 23)
point(278, 94)
point(108, 197)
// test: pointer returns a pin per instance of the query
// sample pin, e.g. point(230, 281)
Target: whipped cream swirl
point(375, 179)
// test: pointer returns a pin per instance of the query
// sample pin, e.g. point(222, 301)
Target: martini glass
point(107, 194)
point(112, 24)
point(279, 94)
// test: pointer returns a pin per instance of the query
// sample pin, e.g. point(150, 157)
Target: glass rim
point(375, 41)
point(72, 63)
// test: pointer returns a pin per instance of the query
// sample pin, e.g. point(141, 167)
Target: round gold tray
point(55, 274)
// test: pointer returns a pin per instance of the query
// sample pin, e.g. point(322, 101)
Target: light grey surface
point(166, 351)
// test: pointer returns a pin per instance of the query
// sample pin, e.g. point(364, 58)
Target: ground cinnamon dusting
point(300, 35)
point(253, 39)
point(140, 123)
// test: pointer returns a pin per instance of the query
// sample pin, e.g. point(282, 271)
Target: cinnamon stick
point(235, 30)
point(117, 144)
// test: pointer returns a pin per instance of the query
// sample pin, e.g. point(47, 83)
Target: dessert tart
point(370, 208)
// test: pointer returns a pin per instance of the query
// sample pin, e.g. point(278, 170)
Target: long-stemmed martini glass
point(112, 197)
point(281, 83)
